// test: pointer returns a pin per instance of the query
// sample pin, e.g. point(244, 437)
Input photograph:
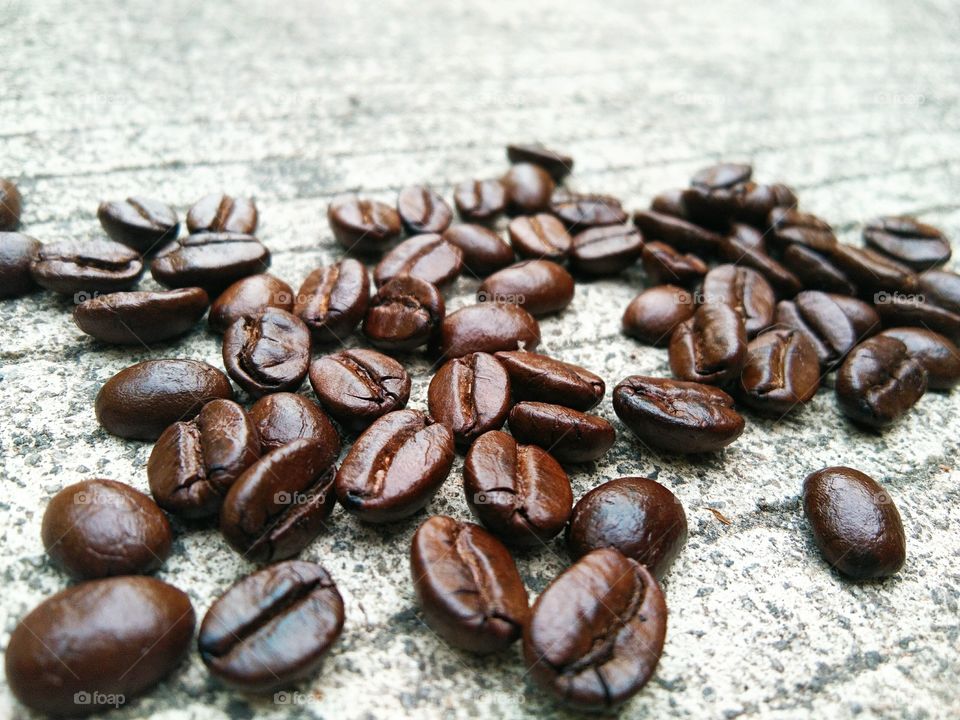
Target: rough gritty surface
point(853, 103)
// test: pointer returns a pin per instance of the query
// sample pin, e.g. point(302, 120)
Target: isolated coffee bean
point(871, 271)
point(677, 417)
point(670, 202)
point(541, 287)
point(84, 268)
point(942, 288)
point(487, 327)
point(213, 261)
point(281, 418)
point(272, 627)
point(98, 644)
point(833, 323)
point(140, 401)
point(596, 633)
point(529, 188)
point(519, 492)
point(569, 435)
point(579, 211)
point(17, 252)
point(558, 164)
point(679, 234)
point(538, 377)
point(395, 467)
point(745, 291)
point(139, 318)
point(791, 226)
point(11, 205)
point(427, 257)
point(404, 314)
point(781, 373)
point(269, 352)
point(483, 250)
point(740, 248)
point(855, 523)
point(467, 585)
point(195, 462)
point(222, 213)
point(938, 355)
point(664, 265)
point(333, 300)
point(422, 210)
point(470, 395)
point(913, 310)
point(710, 347)
point(98, 528)
point(909, 241)
point(480, 200)
point(539, 236)
point(637, 516)
point(816, 272)
point(140, 223)
point(358, 386)
point(654, 314)
point(363, 226)
point(248, 297)
point(605, 250)
point(879, 382)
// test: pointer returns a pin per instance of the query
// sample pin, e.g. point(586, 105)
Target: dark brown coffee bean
point(717, 194)
point(333, 300)
point(421, 210)
point(872, 272)
point(363, 226)
point(635, 515)
point(17, 253)
point(483, 250)
point(740, 248)
point(541, 287)
point(913, 310)
point(427, 257)
point(139, 318)
point(833, 323)
point(280, 503)
point(84, 268)
point(569, 435)
point(540, 236)
point(710, 347)
point(213, 261)
point(596, 633)
point(98, 528)
point(267, 353)
point(677, 417)
point(358, 386)
point(909, 241)
point(879, 382)
point(519, 492)
point(579, 211)
point(395, 467)
point(781, 373)
point(221, 213)
point(939, 357)
point(140, 223)
point(467, 585)
point(529, 189)
point(248, 297)
point(480, 200)
point(470, 395)
point(11, 205)
point(404, 314)
point(605, 250)
point(98, 644)
point(791, 226)
point(758, 201)
point(488, 327)
point(558, 164)
point(722, 175)
point(855, 523)
point(273, 627)
point(746, 291)
point(942, 288)
point(816, 272)
point(664, 265)
point(670, 202)
point(281, 418)
point(195, 462)
point(538, 377)
point(654, 314)
point(140, 401)
point(679, 234)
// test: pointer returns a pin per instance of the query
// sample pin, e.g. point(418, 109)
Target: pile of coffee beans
point(755, 301)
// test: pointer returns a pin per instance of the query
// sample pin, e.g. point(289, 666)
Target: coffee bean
point(854, 523)
point(248, 297)
point(358, 386)
point(427, 257)
point(483, 250)
point(280, 503)
point(596, 633)
point(140, 223)
point(558, 164)
point(363, 226)
point(529, 188)
point(421, 210)
point(833, 323)
point(98, 528)
point(98, 644)
point(781, 373)
point(488, 327)
point(579, 211)
point(741, 247)
point(541, 287)
point(17, 253)
point(872, 272)
point(717, 194)
point(333, 300)
point(569, 435)
point(710, 347)
point(745, 202)
point(404, 314)
point(939, 357)
point(605, 250)
point(519, 492)
point(654, 314)
point(745, 291)
point(679, 234)
point(909, 241)
point(140, 401)
point(637, 516)
point(664, 265)
point(816, 272)
point(213, 261)
point(942, 288)
point(791, 226)
point(913, 310)
point(758, 201)
point(480, 200)
point(538, 377)
point(281, 418)
point(879, 382)
point(11, 204)
point(139, 318)
point(670, 202)
point(83, 268)
point(677, 417)
point(267, 353)
point(539, 236)
point(470, 395)
point(273, 627)
point(194, 462)
point(222, 213)
point(395, 467)
point(721, 175)
point(467, 585)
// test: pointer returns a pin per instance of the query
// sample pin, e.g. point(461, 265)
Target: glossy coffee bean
point(540, 287)
point(266, 353)
point(487, 327)
point(272, 627)
point(363, 226)
point(84, 268)
point(540, 236)
point(833, 323)
point(791, 226)
point(395, 467)
point(816, 272)
point(248, 297)
point(358, 386)
point(782, 371)
point(194, 462)
point(470, 395)
point(98, 528)
point(740, 247)
point(480, 200)
point(579, 211)
point(909, 241)
point(467, 585)
point(213, 261)
point(333, 300)
point(666, 266)
point(140, 401)
point(427, 257)
point(98, 644)
point(717, 194)
point(710, 347)
point(670, 202)
point(281, 418)
point(855, 523)
point(942, 288)
point(637, 516)
point(11, 205)
point(140, 223)
point(677, 233)
point(404, 314)
point(759, 200)
point(745, 291)
point(605, 250)
point(913, 310)
point(872, 272)
point(654, 314)
point(17, 253)
point(140, 318)
point(558, 164)
point(281, 502)
point(604, 596)
point(222, 213)
point(938, 355)
point(677, 417)
point(538, 377)
point(483, 250)
point(879, 382)
point(421, 210)
point(569, 435)
point(529, 188)
point(519, 492)
point(721, 175)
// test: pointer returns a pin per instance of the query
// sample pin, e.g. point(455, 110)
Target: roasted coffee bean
point(717, 194)
point(605, 250)
point(404, 314)
point(480, 200)
point(273, 627)
point(942, 288)
point(791, 226)
point(140, 223)
point(743, 247)
point(529, 188)
point(677, 417)
point(538, 377)
point(596, 633)
point(427, 257)
point(221, 213)
point(909, 241)
point(519, 492)
point(679, 234)
point(470, 395)
point(558, 164)
point(580, 211)
point(213, 261)
point(98, 528)
point(267, 353)
point(83, 268)
point(281, 502)
point(541, 287)
point(722, 175)
point(897, 309)
point(569, 435)
point(758, 201)
point(467, 585)
point(833, 323)
point(879, 382)
point(938, 355)
point(710, 347)
point(358, 386)
point(654, 314)
point(816, 272)
point(11, 205)
point(395, 467)
point(281, 418)
point(871, 271)
point(139, 318)
point(637, 516)
point(539, 236)
point(98, 644)
point(488, 327)
point(781, 373)
point(664, 265)
point(17, 253)
point(140, 401)
point(744, 290)
point(483, 250)
point(248, 297)
point(333, 300)
point(421, 210)
point(746, 202)
point(195, 462)
point(363, 226)
point(670, 202)
point(855, 523)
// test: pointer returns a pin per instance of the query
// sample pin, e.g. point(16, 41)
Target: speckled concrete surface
point(853, 103)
